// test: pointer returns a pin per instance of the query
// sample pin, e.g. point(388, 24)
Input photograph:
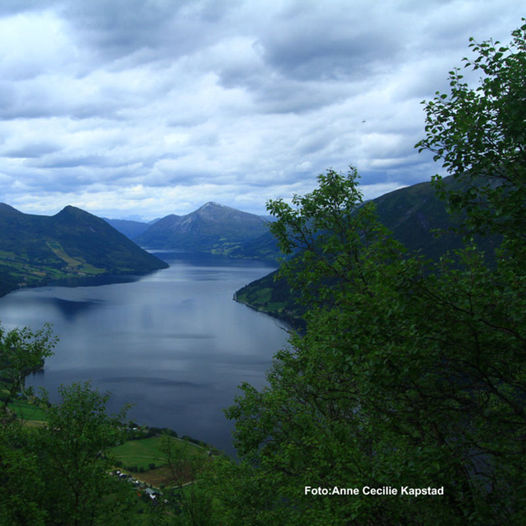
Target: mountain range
point(72, 246)
point(411, 213)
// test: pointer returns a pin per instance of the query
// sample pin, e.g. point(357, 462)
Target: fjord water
point(172, 343)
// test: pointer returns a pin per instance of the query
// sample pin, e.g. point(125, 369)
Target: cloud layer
point(134, 107)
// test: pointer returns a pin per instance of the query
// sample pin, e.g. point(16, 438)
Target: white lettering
point(345, 491)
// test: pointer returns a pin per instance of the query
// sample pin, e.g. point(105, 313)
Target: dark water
point(173, 343)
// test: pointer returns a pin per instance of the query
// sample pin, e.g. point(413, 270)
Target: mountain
point(213, 228)
point(264, 247)
point(72, 246)
point(130, 229)
point(412, 214)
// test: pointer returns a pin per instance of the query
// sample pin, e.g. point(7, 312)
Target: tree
point(22, 352)
point(479, 134)
point(59, 473)
point(73, 454)
point(411, 372)
point(331, 416)
point(21, 481)
point(395, 383)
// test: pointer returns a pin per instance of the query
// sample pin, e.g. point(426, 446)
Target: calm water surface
point(173, 343)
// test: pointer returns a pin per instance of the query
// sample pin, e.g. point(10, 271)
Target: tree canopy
point(479, 134)
point(58, 473)
point(22, 352)
point(411, 373)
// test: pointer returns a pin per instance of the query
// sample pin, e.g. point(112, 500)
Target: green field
point(141, 453)
point(26, 411)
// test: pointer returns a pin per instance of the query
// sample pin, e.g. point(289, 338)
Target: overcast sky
point(149, 107)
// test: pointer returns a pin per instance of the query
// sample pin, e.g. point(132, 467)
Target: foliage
point(22, 352)
point(479, 134)
point(192, 506)
point(410, 373)
point(376, 394)
point(72, 452)
point(327, 232)
point(59, 473)
point(21, 482)
point(417, 218)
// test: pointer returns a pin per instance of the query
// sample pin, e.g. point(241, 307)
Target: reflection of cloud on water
point(147, 336)
point(150, 381)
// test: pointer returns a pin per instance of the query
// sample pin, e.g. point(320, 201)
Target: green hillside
point(72, 246)
point(416, 217)
point(264, 248)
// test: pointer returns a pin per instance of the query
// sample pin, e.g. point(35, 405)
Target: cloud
point(152, 107)
point(34, 150)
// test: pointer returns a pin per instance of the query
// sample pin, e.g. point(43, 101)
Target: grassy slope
point(26, 411)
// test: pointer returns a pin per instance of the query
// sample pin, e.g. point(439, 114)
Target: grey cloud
point(31, 151)
point(329, 41)
point(120, 26)
point(274, 93)
point(13, 7)
point(313, 141)
point(154, 103)
point(303, 56)
point(295, 99)
point(147, 30)
point(73, 162)
point(41, 109)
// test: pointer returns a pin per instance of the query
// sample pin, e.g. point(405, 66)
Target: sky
point(143, 108)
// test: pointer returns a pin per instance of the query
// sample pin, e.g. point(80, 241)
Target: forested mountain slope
point(71, 246)
point(416, 217)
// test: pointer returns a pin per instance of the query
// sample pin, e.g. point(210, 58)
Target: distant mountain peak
point(212, 204)
point(212, 228)
point(5, 208)
point(70, 211)
point(70, 208)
